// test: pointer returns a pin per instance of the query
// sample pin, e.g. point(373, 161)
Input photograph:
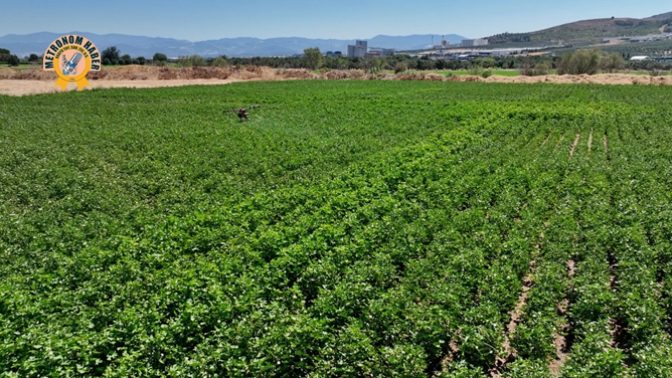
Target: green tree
point(485, 62)
point(33, 58)
point(4, 55)
point(340, 63)
point(125, 59)
point(612, 62)
point(220, 62)
point(141, 60)
point(13, 60)
point(111, 53)
point(159, 59)
point(314, 58)
point(425, 63)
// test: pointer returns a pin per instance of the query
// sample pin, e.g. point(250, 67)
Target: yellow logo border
point(55, 53)
point(80, 79)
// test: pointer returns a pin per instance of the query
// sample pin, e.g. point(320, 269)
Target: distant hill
point(664, 16)
point(590, 30)
point(37, 43)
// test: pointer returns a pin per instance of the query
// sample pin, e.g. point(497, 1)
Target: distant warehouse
point(377, 51)
point(474, 42)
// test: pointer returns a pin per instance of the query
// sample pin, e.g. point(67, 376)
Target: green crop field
point(348, 229)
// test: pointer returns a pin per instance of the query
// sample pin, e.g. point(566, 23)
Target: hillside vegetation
point(588, 30)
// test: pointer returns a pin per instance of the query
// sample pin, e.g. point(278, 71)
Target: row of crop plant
point(640, 237)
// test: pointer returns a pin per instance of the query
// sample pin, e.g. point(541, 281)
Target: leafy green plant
point(347, 228)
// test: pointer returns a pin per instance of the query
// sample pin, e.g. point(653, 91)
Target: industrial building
point(474, 42)
point(378, 51)
point(358, 50)
point(642, 38)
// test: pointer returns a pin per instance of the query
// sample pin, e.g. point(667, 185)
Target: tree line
point(12, 60)
point(578, 62)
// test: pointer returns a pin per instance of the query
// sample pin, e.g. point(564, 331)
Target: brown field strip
point(34, 81)
point(563, 342)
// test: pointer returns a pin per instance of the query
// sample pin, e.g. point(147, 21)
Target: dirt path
point(518, 312)
point(34, 81)
point(575, 144)
point(30, 87)
point(546, 140)
point(610, 43)
point(563, 342)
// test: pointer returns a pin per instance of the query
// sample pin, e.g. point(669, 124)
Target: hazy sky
point(197, 20)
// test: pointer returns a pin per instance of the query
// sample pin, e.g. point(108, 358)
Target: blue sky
point(198, 20)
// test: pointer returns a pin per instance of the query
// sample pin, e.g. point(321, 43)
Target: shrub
point(400, 67)
point(197, 61)
point(543, 68)
point(475, 70)
point(191, 61)
point(580, 62)
point(654, 68)
point(612, 62)
point(377, 65)
point(220, 62)
point(540, 69)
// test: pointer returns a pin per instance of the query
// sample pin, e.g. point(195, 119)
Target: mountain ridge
point(233, 47)
point(662, 16)
point(591, 30)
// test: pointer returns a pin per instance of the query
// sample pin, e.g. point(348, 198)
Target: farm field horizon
point(34, 81)
point(348, 229)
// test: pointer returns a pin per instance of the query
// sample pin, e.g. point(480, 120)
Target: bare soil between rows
point(34, 81)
